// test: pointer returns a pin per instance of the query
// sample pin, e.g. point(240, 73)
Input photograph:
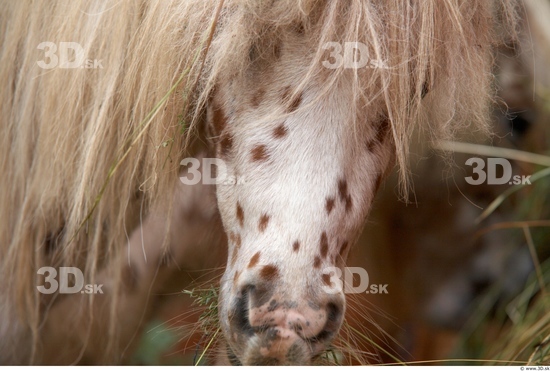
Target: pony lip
point(279, 92)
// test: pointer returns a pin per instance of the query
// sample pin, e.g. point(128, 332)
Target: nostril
point(240, 318)
point(321, 337)
point(257, 294)
point(334, 318)
point(245, 290)
point(334, 314)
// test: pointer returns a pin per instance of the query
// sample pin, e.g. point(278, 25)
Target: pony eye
point(520, 124)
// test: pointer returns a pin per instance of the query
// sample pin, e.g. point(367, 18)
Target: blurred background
point(467, 267)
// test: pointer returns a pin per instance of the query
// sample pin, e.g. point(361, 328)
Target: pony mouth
point(266, 361)
point(304, 351)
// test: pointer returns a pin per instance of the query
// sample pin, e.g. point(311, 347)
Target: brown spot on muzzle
point(219, 120)
point(295, 102)
point(342, 189)
point(235, 238)
point(259, 153)
point(269, 272)
point(262, 224)
point(343, 193)
point(296, 246)
point(326, 279)
point(324, 245)
point(280, 131)
point(254, 260)
point(240, 214)
point(348, 203)
point(329, 204)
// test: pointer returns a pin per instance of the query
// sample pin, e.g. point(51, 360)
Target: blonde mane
point(85, 151)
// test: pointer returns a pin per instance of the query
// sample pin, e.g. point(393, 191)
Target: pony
point(91, 155)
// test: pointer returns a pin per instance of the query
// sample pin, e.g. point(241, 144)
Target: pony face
point(307, 141)
point(306, 170)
